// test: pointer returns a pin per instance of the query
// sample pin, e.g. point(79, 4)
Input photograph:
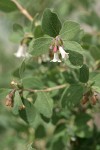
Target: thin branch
point(47, 89)
point(95, 33)
point(23, 10)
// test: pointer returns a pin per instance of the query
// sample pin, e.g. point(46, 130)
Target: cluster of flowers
point(56, 47)
point(91, 97)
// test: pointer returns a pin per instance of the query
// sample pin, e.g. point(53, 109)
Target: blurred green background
point(14, 133)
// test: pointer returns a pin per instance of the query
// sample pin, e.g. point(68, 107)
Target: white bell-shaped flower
point(22, 51)
point(56, 58)
point(64, 55)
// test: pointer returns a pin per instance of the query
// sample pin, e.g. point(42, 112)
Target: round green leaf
point(51, 25)
point(75, 58)
point(40, 46)
point(72, 95)
point(44, 104)
point(29, 114)
point(73, 46)
point(7, 6)
point(69, 30)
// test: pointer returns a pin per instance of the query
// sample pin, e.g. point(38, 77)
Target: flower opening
point(63, 53)
point(22, 51)
point(56, 58)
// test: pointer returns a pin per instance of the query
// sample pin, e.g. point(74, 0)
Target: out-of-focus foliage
point(61, 119)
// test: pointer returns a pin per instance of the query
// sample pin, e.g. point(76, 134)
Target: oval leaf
point(84, 74)
point(17, 103)
point(32, 82)
point(72, 95)
point(40, 46)
point(69, 30)
point(51, 25)
point(75, 58)
point(29, 114)
point(44, 104)
point(73, 46)
point(7, 6)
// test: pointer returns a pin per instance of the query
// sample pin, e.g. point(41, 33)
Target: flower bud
point(22, 107)
point(13, 83)
point(10, 98)
point(94, 99)
point(85, 99)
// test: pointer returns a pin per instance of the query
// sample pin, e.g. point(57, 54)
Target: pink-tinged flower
point(22, 51)
point(63, 53)
point(55, 49)
point(56, 58)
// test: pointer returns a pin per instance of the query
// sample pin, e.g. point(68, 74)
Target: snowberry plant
point(53, 82)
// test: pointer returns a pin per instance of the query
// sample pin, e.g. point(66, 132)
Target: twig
point(95, 33)
point(48, 89)
point(23, 10)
